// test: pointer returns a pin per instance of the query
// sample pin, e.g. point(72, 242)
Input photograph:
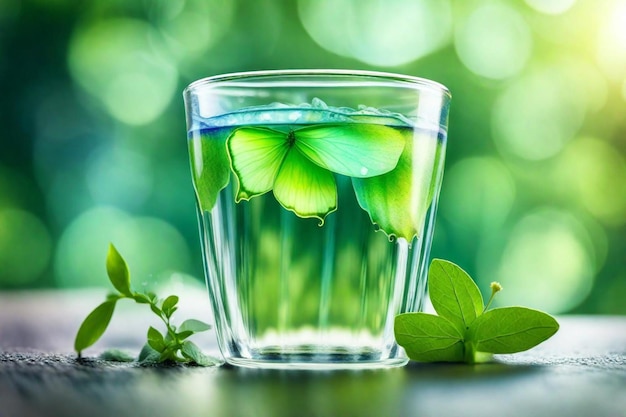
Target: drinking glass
point(316, 196)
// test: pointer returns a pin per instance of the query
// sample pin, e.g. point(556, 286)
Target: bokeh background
point(93, 150)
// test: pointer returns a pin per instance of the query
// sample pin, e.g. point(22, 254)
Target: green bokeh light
point(25, 248)
point(594, 174)
point(478, 195)
point(9, 10)
point(547, 262)
point(611, 41)
point(494, 41)
point(192, 27)
point(551, 6)
point(119, 177)
point(152, 247)
point(405, 30)
point(123, 62)
point(538, 114)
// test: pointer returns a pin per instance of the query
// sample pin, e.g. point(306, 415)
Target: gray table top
point(581, 371)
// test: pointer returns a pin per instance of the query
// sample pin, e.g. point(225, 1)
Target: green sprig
point(464, 330)
point(170, 346)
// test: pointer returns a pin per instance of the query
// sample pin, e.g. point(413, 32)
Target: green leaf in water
point(256, 154)
point(298, 165)
point(355, 150)
point(305, 188)
point(398, 200)
point(210, 165)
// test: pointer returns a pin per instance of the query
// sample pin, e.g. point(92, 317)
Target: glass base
point(316, 361)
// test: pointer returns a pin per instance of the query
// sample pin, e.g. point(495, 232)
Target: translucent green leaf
point(265, 159)
point(117, 271)
point(94, 326)
point(256, 155)
point(453, 293)
point(194, 325)
point(355, 150)
point(398, 200)
point(305, 188)
point(191, 351)
point(428, 338)
point(511, 329)
point(210, 166)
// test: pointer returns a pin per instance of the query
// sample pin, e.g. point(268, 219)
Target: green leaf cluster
point(464, 330)
point(172, 345)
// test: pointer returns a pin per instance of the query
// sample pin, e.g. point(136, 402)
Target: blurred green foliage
point(93, 149)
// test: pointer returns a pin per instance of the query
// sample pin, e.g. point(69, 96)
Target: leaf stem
point(470, 352)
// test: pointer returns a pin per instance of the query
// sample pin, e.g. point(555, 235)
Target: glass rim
point(379, 77)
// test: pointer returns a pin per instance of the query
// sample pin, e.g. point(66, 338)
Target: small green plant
point(465, 330)
point(172, 346)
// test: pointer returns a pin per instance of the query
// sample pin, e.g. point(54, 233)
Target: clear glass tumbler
point(316, 192)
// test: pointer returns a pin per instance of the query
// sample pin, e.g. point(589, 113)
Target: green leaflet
point(428, 338)
point(256, 155)
point(94, 326)
point(169, 305)
point(117, 270)
point(298, 165)
point(453, 293)
point(398, 200)
point(210, 167)
point(156, 339)
point(354, 150)
point(194, 325)
point(193, 353)
point(305, 188)
point(511, 329)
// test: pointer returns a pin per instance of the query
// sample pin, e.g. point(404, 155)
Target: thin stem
point(489, 302)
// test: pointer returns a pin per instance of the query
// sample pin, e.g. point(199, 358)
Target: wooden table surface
point(581, 371)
